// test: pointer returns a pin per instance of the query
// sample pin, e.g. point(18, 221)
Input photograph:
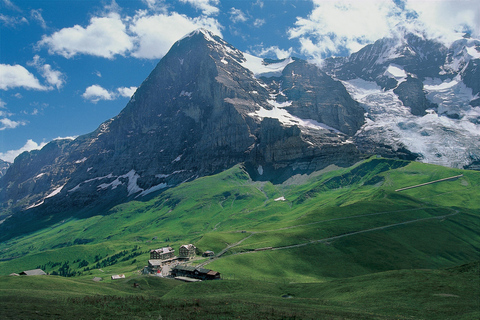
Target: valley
point(334, 241)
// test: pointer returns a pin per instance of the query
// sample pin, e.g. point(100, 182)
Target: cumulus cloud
point(274, 50)
point(30, 145)
point(6, 123)
point(53, 77)
point(144, 35)
point(345, 26)
point(237, 15)
point(445, 19)
point(17, 76)
point(126, 92)
point(208, 7)
point(103, 37)
point(157, 33)
point(95, 93)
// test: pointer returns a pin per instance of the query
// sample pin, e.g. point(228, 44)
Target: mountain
point(418, 95)
point(204, 108)
point(208, 106)
point(3, 167)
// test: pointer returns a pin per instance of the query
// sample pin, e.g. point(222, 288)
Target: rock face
point(420, 97)
point(3, 167)
point(208, 106)
point(204, 108)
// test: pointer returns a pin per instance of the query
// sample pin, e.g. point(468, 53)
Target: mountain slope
point(204, 108)
point(353, 215)
point(418, 96)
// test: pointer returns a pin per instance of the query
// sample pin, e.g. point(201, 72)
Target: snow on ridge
point(262, 69)
point(55, 192)
point(132, 186)
point(437, 138)
point(396, 72)
point(451, 96)
point(153, 189)
point(81, 160)
point(278, 112)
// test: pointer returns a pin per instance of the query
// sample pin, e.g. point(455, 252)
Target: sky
point(66, 66)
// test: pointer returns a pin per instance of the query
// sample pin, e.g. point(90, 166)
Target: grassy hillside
point(406, 294)
point(313, 230)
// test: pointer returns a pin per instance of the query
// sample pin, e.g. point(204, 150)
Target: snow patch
point(186, 94)
point(262, 69)
point(152, 189)
point(132, 186)
point(437, 138)
point(39, 175)
point(178, 158)
point(278, 112)
point(81, 160)
point(280, 199)
point(396, 73)
point(55, 192)
point(260, 170)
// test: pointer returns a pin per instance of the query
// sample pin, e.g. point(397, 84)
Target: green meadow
point(340, 243)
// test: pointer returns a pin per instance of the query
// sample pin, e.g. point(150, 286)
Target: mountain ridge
point(208, 106)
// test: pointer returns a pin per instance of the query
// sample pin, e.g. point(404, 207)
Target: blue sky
point(68, 65)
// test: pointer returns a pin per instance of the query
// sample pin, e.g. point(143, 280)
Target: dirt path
point(427, 183)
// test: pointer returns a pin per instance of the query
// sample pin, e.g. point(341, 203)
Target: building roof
point(155, 262)
point(184, 268)
point(164, 250)
point(115, 277)
point(35, 272)
point(188, 246)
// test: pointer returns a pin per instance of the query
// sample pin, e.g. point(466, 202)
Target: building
point(187, 251)
point(208, 253)
point(35, 272)
point(154, 265)
point(118, 276)
point(196, 273)
point(162, 253)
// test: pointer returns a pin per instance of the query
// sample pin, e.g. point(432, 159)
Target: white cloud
point(96, 93)
point(157, 33)
point(103, 37)
point(12, 22)
point(8, 4)
point(274, 50)
point(258, 23)
point(53, 77)
point(345, 26)
point(17, 76)
point(6, 123)
point(334, 26)
point(206, 6)
point(37, 15)
point(156, 5)
point(10, 156)
point(237, 15)
point(445, 18)
point(126, 92)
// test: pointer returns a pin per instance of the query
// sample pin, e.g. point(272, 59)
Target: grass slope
point(405, 294)
point(313, 230)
